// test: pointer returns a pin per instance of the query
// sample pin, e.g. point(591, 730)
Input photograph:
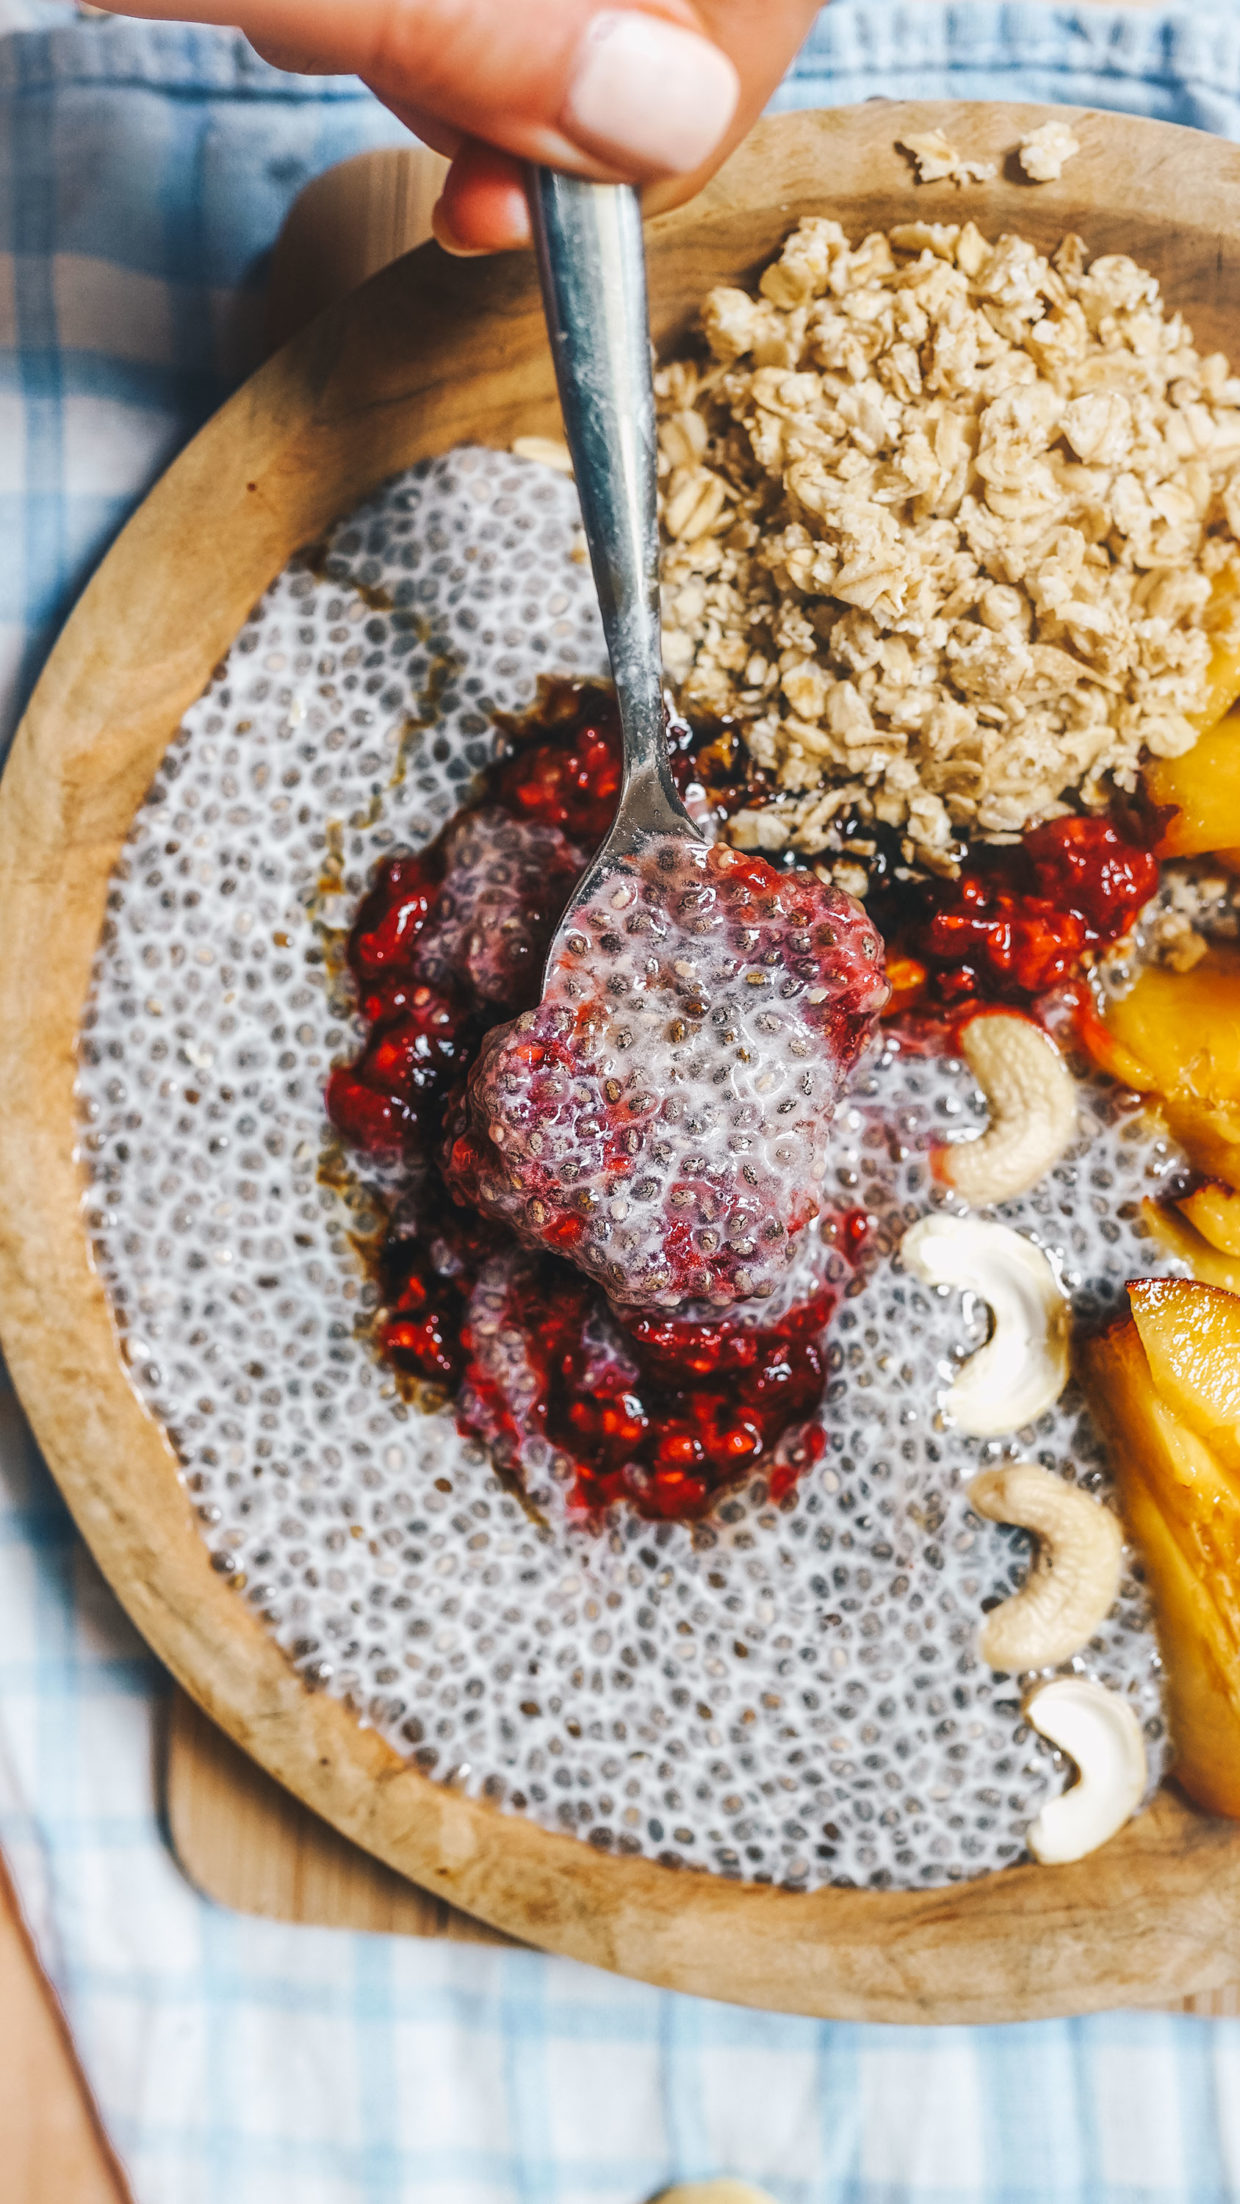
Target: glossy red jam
point(662, 1418)
point(1018, 921)
point(633, 1405)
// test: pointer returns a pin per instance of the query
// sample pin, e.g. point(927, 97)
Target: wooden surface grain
point(52, 2149)
point(249, 1845)
point(351, 221)
point(431, 352)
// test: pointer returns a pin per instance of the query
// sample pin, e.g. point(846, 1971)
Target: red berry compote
point(663, 1116)
point(608, 1245)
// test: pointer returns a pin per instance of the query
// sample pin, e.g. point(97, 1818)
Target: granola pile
point(952, 532)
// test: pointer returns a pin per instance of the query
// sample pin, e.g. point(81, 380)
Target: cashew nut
point(1074, 1580)
point(549, 451)
point(1023, 1368)
point(721, 2191)
point(1100, 1731)
point(1032, 1099)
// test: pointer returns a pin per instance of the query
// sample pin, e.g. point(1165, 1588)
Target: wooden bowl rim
point(368, 388)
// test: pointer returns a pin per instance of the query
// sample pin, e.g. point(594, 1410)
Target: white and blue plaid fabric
point(144, 172)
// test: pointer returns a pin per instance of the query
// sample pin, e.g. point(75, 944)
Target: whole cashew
point(1074, 1580)
point(721, 2191)
point(1099, 1730)
point(1023, 1367)
point(1032, 1098)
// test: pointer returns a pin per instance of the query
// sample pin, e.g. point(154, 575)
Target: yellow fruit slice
point(1209, 1135)
point(1204, 788)
point(1177, 1035)
point(1183, 1512)
point(1191, 1336)
point(1215, 1212)
point(1182, 1029)
point(1207, 1262)
point(1223, 678)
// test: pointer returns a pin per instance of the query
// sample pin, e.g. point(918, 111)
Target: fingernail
point(648, 94)
point(445, 235)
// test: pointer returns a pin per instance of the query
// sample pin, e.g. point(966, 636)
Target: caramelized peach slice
point(1191, 1336)
point(1183, 1511)
point(1223, 679)
point(1214, 1210)
point(1209, 1135)
point(1182, 1029)
point(1203, 786)
point(1223, 672)
point(1208, 1263)
point(1177, 1035)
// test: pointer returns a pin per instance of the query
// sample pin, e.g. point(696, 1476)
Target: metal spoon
point(592, 263)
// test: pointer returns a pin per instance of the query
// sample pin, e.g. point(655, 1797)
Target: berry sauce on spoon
point(663, 1116)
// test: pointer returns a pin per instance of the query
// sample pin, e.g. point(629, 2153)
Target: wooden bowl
point(430, 353)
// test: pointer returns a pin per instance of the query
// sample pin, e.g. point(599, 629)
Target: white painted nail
point(647, 95)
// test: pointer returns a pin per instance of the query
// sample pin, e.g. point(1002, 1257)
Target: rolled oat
point(1043, 152)
point(938, 161)
point(953, 531)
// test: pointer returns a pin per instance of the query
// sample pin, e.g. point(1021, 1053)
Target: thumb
point(632, 92)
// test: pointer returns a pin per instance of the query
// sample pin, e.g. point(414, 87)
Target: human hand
point(656, 92)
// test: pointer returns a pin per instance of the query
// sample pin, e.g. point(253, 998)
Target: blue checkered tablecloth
point(144, 172)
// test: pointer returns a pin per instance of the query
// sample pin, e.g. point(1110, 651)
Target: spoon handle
point(591, 260)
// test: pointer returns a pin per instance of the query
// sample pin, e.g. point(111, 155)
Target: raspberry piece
point(552, 1384)
point(426, 1345)
point(1086, 865)
point(571, 781)
point(786, 1382)
point(663, 1116)
point(503, 1392)
point(371, 1122)
point(416, 1053)
point(1020, 921)
point(1022, 940)
point(731, 1437)
point(386, 1000)
point(682, 1354)
point(391, 917)
point(521, 1321)
point(505, 884)
point(381, 1102)
point(595, 1407)
point(420, 1333)
point(608, 1426)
